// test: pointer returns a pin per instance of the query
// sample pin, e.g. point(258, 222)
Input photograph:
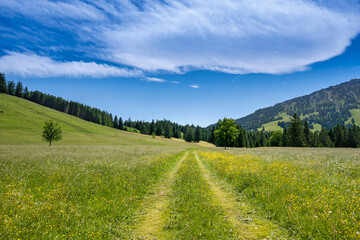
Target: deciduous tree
point(51, 131)
point(226, 132)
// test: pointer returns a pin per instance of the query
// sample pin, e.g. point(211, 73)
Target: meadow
point(102, 183)
point(312, 193)
point(75, 192)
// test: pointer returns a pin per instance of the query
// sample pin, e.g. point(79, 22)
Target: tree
point(296, 133)
point(308, 134)
point(26, 93)
point(168, 130)
point(19, 90)
point(3, 87)
point(188, 135)
point(197, 136)
point(51, 131)
point(116, 122)
point(324, 138)
point(11, 88)
point(152, 127)
point(339, 136)
point(226, 132)
point(275, 139)
point(121, 124)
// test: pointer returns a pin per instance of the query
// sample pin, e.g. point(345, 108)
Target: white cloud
point(248, 36)
point(37, 9)
point(232, 36)
point(28, 64)
point(194, 86)
point(153, 79)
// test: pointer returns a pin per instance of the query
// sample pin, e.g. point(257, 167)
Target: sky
point(188, 61)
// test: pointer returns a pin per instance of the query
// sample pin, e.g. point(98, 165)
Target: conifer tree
point(121, 124)
point(197, 136)
point(324, 138)
point(168, 130)
point(19, 90)
point(3, 87)
point(339, 136)
point(116, 122)
point(152, 127)
point(296, 133)
point(26, 93)
point(188, 134)
point(11, 88)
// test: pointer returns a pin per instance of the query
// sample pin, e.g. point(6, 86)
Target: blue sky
point(187, 61)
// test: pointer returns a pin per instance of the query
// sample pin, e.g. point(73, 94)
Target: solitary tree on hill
point(51, 131)
point(226, 132)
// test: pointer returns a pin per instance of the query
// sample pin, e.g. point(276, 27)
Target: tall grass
point(313, 197)
point(75, 192)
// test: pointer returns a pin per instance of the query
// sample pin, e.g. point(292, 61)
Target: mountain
point(327, 107)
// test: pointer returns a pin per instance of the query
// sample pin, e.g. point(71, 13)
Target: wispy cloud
point(194, 86)
point(232, 36)
point(28, 64)
point(153, 79)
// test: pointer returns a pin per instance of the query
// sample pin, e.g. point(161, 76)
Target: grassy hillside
point(21, 122)
point(327, 107)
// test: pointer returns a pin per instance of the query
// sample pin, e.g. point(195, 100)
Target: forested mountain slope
point(334, 105)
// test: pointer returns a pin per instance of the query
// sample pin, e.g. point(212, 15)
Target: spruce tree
point(116, 122)
point(121, 124)
point(339, 136)
point(19, 90)
point(3, 87)
point(197, 136)
point(152, 127)
point(26, 93)
point(188, 135)
point(11, 88)
point(168, 130)
point(353, 138)
point(296, 133)
point(324, 138)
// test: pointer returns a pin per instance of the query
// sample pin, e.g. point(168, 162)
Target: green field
point(102, 183)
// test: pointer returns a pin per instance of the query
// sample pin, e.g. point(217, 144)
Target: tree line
point(296, 134)
point(163, 128)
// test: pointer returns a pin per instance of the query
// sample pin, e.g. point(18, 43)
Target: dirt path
point(240, 216)
point(156, 208)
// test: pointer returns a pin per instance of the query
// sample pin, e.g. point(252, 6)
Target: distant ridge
point(327, 107)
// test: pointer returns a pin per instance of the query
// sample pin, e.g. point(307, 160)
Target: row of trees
point(158, 128)
point(298, 134)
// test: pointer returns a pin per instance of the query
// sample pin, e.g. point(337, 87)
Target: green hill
point(334, 105)
point(21, 122)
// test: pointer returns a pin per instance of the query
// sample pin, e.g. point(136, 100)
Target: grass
point(75, 192)
point(194, 214)
point(312, 193)
point(21, 123)
point(355, 114)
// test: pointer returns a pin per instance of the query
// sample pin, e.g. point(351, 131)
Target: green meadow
point(102, 183)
